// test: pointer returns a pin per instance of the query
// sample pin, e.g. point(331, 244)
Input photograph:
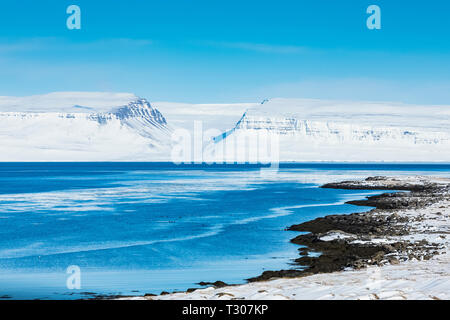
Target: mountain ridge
point(84, 126)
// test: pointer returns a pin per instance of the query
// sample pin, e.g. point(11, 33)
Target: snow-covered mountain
point(120, 126)
point(82, 126)
point(318, 130)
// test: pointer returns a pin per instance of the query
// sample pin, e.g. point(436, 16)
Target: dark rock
point(217, 284)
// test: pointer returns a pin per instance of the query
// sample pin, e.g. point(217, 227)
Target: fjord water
point(136, 228)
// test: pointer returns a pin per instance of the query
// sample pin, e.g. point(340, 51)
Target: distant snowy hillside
point(81, 126)
point(74, 102)
point(317, 130)
point(212, 116)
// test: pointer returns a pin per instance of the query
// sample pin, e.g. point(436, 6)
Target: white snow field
point(100, 126)
point(412, 280)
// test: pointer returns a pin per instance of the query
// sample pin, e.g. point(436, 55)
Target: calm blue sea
point(136, 228)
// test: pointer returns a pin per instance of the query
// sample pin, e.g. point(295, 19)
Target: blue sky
point(228, 51)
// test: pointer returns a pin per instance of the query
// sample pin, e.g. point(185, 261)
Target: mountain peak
point(140, 108)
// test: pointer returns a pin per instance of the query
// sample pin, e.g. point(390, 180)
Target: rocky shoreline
point(344, 241)
point(385, 235)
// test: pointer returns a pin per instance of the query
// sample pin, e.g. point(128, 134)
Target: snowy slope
point(221, 117)
point(318, 130)
point(81, 126)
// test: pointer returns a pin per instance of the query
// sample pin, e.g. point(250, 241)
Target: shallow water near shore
point(136, 228)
